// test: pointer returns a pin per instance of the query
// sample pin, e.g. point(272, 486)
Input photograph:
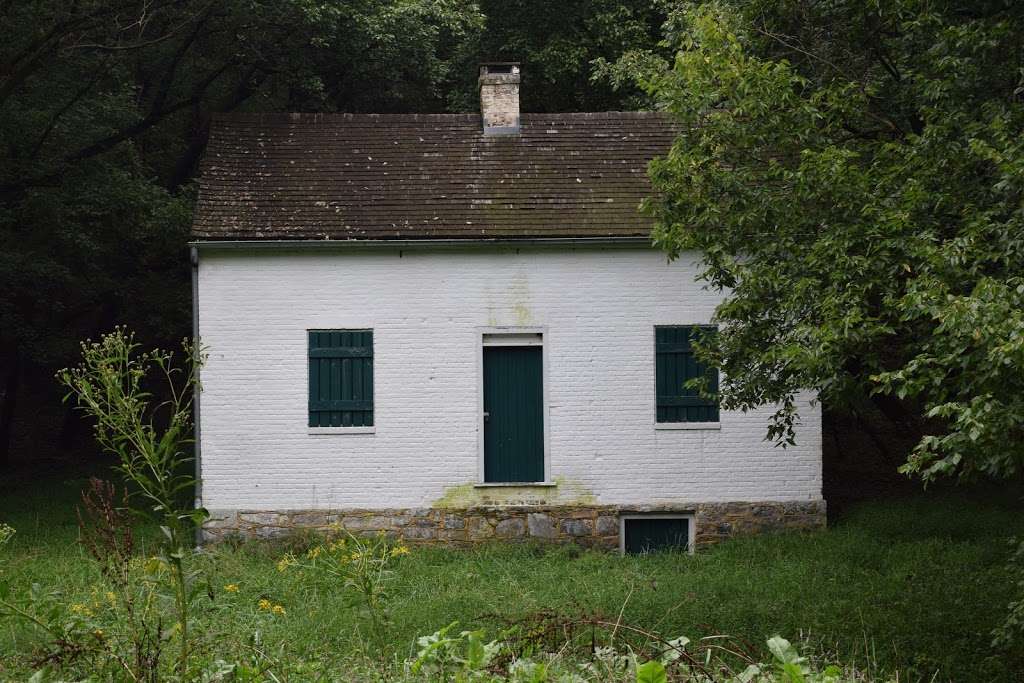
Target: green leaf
point(476, 653)
point(674, 650)
point(749, 674)
point(651, 672)
point(199, 516)
point(39, 676)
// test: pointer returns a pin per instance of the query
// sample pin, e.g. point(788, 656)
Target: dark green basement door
point(513, 414)
point(648, 534)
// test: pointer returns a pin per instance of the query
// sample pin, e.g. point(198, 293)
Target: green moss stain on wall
point(459, 496)
point(511, 304)
point(565, 492)
point(574, 492)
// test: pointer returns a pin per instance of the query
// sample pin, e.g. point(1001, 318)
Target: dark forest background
point(104, 112)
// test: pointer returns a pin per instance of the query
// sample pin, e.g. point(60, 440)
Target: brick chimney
point(499, 98)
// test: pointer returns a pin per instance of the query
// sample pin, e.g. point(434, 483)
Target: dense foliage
point(105, 107)
point(557, 44)
point(852, 173)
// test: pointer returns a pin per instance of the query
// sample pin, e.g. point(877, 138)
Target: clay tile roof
point(422, 176)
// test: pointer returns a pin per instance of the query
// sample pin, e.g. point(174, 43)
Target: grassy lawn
point(913, 586)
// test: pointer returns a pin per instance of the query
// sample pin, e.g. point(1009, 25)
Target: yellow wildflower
point(154, 566)
point(264, 604)
point(314, 553)
point(278, 609)
point(98, 633)
point(285, 562)
point(231, 588)
point(399, 550)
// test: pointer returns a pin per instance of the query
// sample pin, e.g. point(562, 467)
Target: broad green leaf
point(651, 672)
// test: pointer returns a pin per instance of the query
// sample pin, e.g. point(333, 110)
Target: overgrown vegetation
point(151, 441)
point(360, 567)
point(914, 586)
point(852, 174)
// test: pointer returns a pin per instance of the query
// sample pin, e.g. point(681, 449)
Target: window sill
point(326, 431)
point(691, 426)
point(514, 484)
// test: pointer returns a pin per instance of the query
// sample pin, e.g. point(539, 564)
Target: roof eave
point(212, 245)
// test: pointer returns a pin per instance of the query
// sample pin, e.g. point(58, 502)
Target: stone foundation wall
point(588, 525)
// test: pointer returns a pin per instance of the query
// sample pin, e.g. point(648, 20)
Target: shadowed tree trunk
point(70, 428)
point(8, 400)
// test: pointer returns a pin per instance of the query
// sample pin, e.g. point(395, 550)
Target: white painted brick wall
point(599, 307)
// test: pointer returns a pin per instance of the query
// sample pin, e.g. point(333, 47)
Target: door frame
point(511, 336)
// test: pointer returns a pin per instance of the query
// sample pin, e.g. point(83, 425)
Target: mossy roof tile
point(424, 176)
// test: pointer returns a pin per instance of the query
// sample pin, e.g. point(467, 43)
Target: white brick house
point(455, 333)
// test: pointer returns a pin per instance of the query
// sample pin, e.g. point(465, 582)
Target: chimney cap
point(499, 68)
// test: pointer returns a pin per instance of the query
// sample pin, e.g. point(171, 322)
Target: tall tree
point(104, 106)
point(852, 174)
point(559, 45)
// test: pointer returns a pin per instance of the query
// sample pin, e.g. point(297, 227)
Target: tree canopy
point(852, 174)
point(105, 107)
point(850, 171)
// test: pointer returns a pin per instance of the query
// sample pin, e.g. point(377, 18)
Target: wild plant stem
point(28, 616)
point(181, 598)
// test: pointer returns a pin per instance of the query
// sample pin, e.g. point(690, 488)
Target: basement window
point(642, 534)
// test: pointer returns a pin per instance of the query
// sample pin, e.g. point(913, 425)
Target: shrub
point(468, 656)
point(1011, 631)
point(361, 565)
point(151, 441)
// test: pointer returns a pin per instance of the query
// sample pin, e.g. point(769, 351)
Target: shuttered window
point(675, 364)
point(340, 378)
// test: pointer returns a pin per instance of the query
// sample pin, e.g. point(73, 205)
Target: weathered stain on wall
point(563, 492)
point(508, 303)
point(519, 300)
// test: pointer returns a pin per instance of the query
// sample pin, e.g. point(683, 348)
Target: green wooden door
point(513, 414)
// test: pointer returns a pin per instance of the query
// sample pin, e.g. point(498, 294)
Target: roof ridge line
point(313, 117)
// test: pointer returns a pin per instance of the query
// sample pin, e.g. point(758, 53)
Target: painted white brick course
point(426, 307)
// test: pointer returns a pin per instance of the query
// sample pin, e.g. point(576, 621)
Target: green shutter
point(675, 364)
point(340, 378)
